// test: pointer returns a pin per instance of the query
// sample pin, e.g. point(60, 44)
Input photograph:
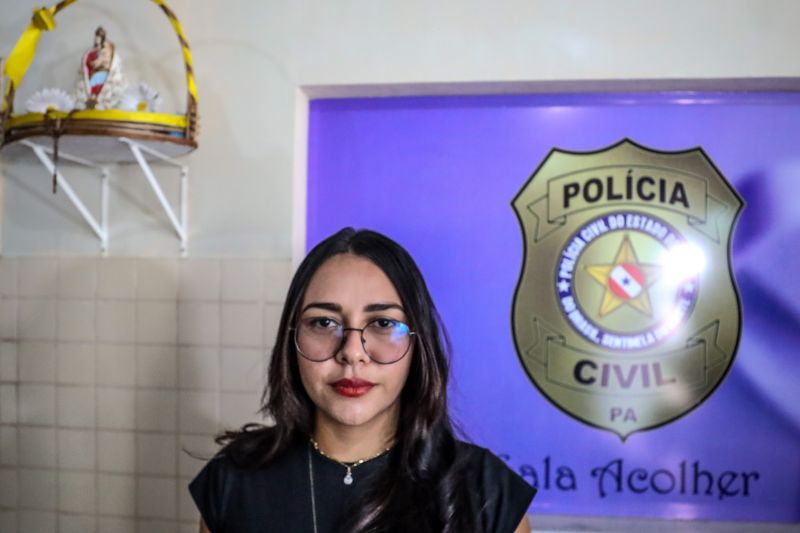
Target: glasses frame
point(363, 343)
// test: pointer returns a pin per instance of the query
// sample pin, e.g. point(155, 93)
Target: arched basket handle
point(43, 19)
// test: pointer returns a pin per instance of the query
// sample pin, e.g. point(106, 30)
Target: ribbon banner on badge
point(626, 314)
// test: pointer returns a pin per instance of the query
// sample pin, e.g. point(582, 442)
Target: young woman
point(357, 389)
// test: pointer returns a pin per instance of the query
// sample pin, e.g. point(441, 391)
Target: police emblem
point(626, 314)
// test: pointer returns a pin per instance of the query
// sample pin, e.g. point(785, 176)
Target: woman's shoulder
point(475, 456)
point(501, 496)
point(226, 487)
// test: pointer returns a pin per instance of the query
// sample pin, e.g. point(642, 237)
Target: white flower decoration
point(140, 97)
point(46, 99)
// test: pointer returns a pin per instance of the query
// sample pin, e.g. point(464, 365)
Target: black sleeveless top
point(277, 497)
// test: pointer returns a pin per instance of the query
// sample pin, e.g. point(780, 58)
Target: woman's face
point(350, 389)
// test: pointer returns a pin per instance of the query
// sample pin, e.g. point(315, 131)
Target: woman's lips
point(352, 388)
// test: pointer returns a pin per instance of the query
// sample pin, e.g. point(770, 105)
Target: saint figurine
point(101, 82)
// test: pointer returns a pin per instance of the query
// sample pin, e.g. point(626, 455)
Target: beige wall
point(110, 365)
point(255, 60)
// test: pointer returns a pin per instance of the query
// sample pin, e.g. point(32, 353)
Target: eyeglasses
point(385, 340)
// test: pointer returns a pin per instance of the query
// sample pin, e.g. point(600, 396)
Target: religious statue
point(101, 82)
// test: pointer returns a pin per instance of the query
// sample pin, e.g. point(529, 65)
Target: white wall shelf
point(149, 159)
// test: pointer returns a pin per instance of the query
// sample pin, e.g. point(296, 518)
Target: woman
point(362, 439)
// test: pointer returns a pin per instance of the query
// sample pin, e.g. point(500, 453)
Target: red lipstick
point(352, 388)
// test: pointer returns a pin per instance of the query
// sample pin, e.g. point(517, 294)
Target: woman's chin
point(351, 416)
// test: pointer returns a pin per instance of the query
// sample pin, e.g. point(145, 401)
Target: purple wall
point(438, 175)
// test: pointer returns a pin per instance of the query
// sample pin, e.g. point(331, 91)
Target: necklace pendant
point(348, 479)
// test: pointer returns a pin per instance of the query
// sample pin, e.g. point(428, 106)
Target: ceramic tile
point(76, 364)
point(37, 362)
point(156, 526)
point(8, 404)
point(157, 279)
point(187, 511)
point(9, 361)
point(116, 451)
point(8, 518)
point(199, 279)
point(242, 369)
point(237, 409)
point(70, 523)
point(77, 277)
point(116, 495)
point(76, 449)
point(156, 366)
point(277, 277)
point(9, 276)
point(199, 412)
point(116, 365)
point(9, 318)
point(156, 410)
point(116, 320)
point(116, 408)
point(156, 454)
point(37, 276)
point(76, 406)
point(156, 322)
point(37, 319)
point(198, 367)
point(272, 321)
point(116, 525)
point(242, 279)
point(9, 488)
point(77, 492)
point(199, 323)
point(37, 489)
point(196, 451)
point(9, 455)
point(76, 320)
point(242, 324)
point(156, 497)
point(37, 404)
point(116, 278)
point(37, 447)
point(38, 521)
point(187, 527)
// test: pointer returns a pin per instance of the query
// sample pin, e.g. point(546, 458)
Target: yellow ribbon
point(43, 19)
point(21, 56)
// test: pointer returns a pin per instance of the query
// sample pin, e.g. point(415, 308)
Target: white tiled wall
point(110, 369)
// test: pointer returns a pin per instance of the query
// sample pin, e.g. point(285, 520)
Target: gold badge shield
point(626, 314)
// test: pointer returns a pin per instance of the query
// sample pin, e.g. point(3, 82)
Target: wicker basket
point(94, 130)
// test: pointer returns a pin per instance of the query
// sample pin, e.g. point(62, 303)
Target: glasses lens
point(318, 339)
point(386, 340)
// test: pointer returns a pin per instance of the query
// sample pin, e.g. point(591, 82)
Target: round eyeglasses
point(385, 340)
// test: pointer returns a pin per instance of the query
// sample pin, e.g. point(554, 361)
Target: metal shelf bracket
point(100, 228)
point(178, 220)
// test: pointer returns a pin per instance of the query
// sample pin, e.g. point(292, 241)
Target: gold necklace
point(348, 477)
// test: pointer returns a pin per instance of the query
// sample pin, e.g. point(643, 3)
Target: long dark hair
point(423, 488)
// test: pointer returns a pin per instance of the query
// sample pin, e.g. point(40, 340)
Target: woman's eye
point(322, 323)
point(384, 323)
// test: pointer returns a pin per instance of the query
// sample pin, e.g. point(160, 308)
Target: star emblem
point(625, 280)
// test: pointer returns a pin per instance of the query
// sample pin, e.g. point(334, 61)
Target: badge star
point(625, 280)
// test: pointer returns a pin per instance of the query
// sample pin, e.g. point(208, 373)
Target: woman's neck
point(353, 443)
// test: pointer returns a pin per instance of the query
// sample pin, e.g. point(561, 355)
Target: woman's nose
point(352, 350)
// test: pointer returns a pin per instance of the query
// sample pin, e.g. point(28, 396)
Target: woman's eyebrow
point(382, 307)
point(328, 306)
